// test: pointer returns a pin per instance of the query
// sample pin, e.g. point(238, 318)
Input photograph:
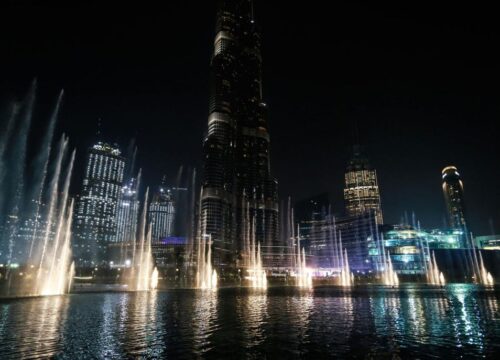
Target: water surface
point(366, 322)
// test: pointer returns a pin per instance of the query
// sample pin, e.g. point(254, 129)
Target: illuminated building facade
point(361, 191)
point(237, 174)
point(356, 233)
point(95, 216)
point(453, 190)
point(409, 248)
point(488, 242)
point(128, 212)
point(162, 214)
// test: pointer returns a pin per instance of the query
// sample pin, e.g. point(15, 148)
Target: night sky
point(419, 79)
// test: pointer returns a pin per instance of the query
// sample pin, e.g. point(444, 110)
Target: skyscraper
point(361, 192)
point(453, 190)
point(128, 212)
point(162, 214)
point(95, 216)
point(237, 176)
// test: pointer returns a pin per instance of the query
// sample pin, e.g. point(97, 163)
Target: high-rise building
point(237, 175)
point(324, 236)
point(453, 190)
point(128, 212)
point(361, 192)
point(95, 216)
point(162, 214)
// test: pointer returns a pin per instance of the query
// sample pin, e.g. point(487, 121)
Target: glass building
point(323, 239)
point(237, 172)
point(410, 248)
point(453, 190)
point(95, 216)
point(162, 214)
point(361, 191)
point(128, 212)
point(488, 242)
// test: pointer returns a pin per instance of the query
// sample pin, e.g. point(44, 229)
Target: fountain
point(256, 273)
point(206, 276)
point(144, 275)
point(154, 279)
point(434, 276)
point(304, 274)
point(389, 276)
point(484, 275)
point(346, 277)
point(37, 195)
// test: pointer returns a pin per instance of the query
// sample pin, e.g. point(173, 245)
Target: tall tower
point(237, 177)
point(128, 212)
point(161, 214)
point(453, 190)
point(95, 216)
point(361, 192)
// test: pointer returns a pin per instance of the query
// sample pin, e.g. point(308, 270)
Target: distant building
point(410, 248)
point(95, 216)
point(312, 208)
point(453, 190)
point(323, 238)
point(489, 242)
point(361, 191)
point(128, 212)
point(237, 157)
point(162, 214)
point(170, 252)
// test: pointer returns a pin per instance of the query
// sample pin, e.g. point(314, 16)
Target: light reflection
point(34, 327)
point(142, 337)
point(301, 310)
point(108, 343)
point(252, 310)
point(204, 320)
point(467, 331)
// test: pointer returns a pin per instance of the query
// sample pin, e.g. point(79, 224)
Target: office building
point(94, 221)
point(361, 191)
point(161, 214)
point(128, 212)
point(237, 175)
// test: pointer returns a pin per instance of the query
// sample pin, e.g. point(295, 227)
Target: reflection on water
point(31, 327)
point(363, 322)
point(252, 313)
point(204, 321)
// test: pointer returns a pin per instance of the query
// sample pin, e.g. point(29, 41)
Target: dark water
point(460, 321)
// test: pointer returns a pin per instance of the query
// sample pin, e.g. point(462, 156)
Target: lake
point(412, 321)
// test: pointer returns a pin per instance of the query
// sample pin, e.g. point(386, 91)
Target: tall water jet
point(41, 163)
point(42, 248)
point(256, 273)
point(485, 276)
point(258, 279)
point(154, 279)
point(56, 269)
point(13, 191)
point(346, 277)
point(144, 275)
point(434, 276)
point(303, 274)
point(389, 276)
point(206, 275)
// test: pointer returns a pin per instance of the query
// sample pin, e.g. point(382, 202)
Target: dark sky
point(419, 78)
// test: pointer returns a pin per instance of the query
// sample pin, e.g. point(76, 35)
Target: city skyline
point(249, 179)
point(352, 100)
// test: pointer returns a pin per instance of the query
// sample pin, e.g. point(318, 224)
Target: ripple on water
point(461, 320)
